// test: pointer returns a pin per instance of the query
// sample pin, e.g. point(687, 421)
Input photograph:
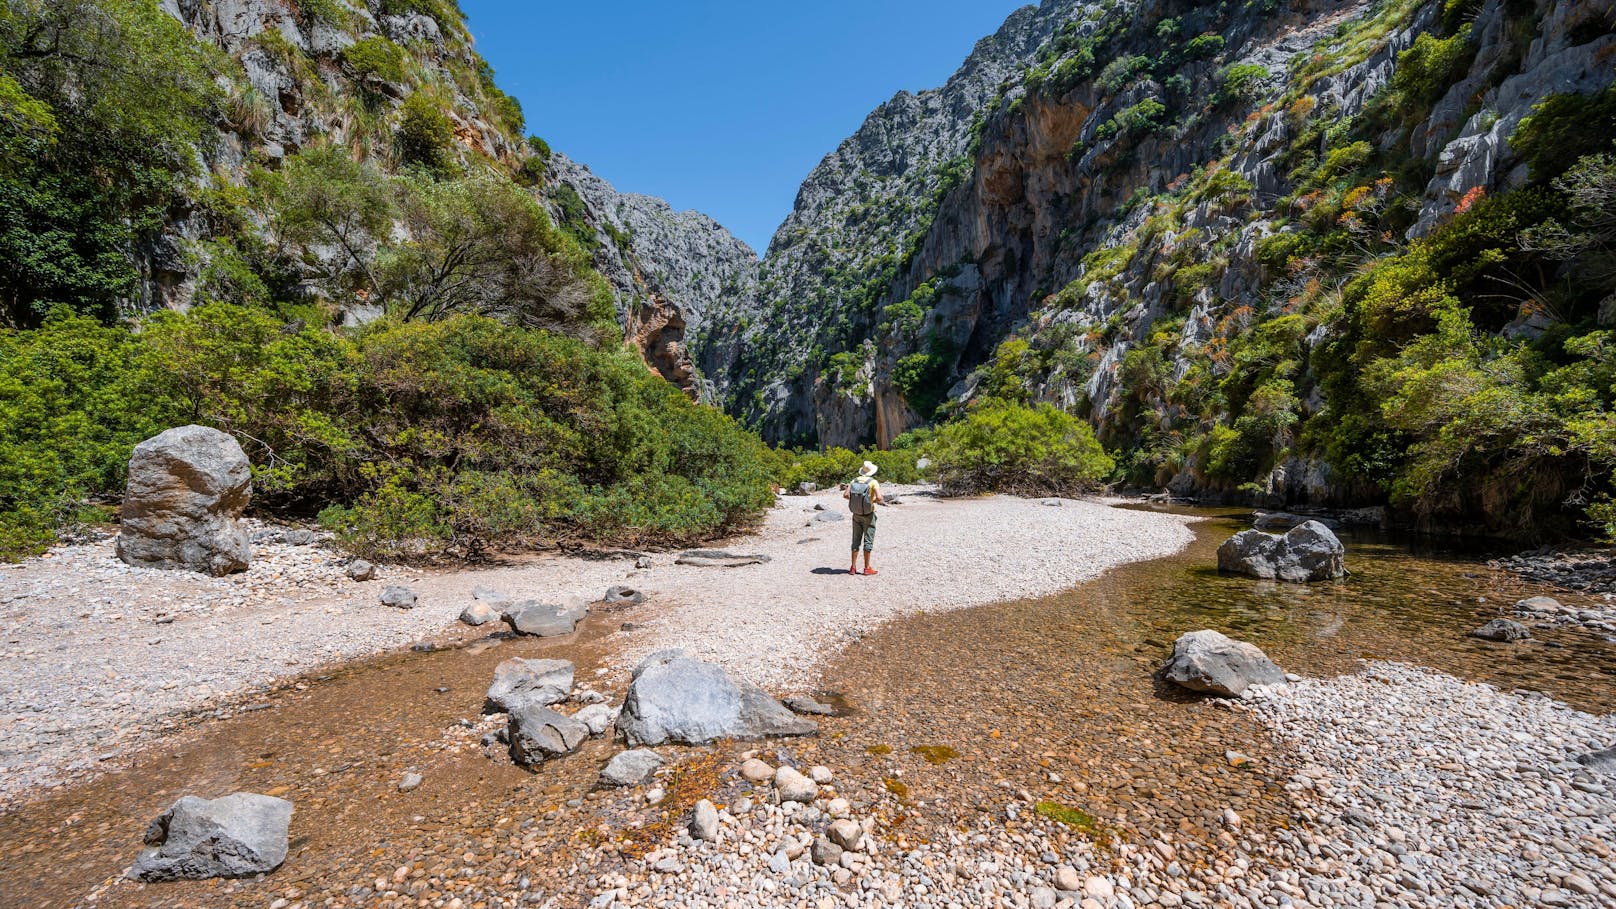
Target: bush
point(1017, 449)
point(834, 466)
point(411, 439)
point(1563, 129)
point(425, 135)
point(374, 58)
point(1426, 69)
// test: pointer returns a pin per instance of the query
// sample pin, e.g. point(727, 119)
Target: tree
point(102, 105)
point(329, 213)
point(482, 245)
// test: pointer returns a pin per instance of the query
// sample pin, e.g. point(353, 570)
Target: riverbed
point(949, 721)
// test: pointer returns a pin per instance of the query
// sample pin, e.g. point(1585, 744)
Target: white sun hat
point(869, 469)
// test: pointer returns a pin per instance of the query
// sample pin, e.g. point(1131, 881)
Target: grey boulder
point(595, 716)
point(1307, 552)
point(830, 517)
point(234, 836)
point(1502, 630)
point(361, 570)
point(182, 507)
point(398, 597)
point(676, 698)
point(544, 619)
point(1209, 662)
point(538, 733)
point(520, 681)
point(630, 768)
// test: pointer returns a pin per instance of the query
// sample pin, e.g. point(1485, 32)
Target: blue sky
point(717, 105)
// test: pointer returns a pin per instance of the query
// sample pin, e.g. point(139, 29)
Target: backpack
point(858, 497)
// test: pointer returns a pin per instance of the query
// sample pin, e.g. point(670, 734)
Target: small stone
point(1067, 878)
point(1098, 888)
point(704, 821)
point(825, 852)
point(629, 768)
point(1043, 898)
point(478, 613)
point(595, 716)
point(361, 570)
point(756, 771)
point(623, 596)
point(411, 781)
point(792, 786)
point(837, 807)
point(398, 597)
point(846, 834)
point(820, 774)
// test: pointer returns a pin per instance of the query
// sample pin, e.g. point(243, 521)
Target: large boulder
point(1307, 552)
point(538, 733)
point(234, 836)
point(676, 698)
point(1211, 663)
point(545, 619)
point(521, 681)
point(182, 507)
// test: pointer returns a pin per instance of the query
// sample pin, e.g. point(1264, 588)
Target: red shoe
point(871, 571)
point(852, 571)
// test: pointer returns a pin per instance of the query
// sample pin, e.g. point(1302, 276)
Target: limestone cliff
point(1108, 198)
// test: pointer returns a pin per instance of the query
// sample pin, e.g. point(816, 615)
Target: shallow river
point(946, 717)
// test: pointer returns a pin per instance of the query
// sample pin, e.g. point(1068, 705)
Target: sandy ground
point(100, 657)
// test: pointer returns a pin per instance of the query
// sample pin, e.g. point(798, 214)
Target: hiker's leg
point(869, 543)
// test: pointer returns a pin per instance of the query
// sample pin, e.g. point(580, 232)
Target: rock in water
point(544, 619)
point(520, 681)
point(1307, 552)
point(1207, 661)
point(235, 836)
point(1502, 630)
point(675, 698)
point(630, 768)
point(182, 507)
point(538, 733)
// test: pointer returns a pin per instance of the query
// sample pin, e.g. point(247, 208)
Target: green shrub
point(833, 466)
point(1136, 120)
point(1016, 449)
point(1563, 129)
point(374, 58)
point(425, 135)
point(1239, 83)
point(411, 439)
point(1426, 70)
point(1202, 47)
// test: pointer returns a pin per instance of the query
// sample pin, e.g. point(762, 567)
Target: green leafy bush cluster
point(1135, 120)
point(826, 469)
point(425, 137)
point(374, 58)
point(441, 438)
point(1003, 447)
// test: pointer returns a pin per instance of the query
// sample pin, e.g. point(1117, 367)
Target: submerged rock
point(1502, 630)
point(630, 768)
point(538, 733)
point(520, 681)
point(235, 836)
point(1209, 662)
point(676, 698)
point(1307, 552)
point(183, 503)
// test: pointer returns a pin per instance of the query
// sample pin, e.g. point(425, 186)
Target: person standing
point(862, 495)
